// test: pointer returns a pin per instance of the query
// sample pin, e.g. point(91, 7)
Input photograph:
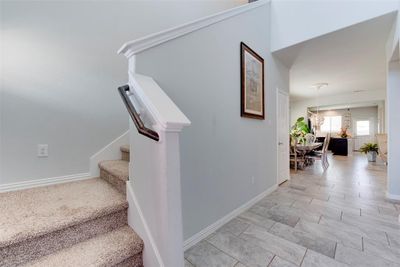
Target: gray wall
point(59, 74)
point(220, 151)
point(356, 113)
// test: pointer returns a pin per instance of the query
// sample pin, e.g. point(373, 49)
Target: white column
point(393, 124)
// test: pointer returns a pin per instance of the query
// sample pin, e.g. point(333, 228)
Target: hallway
point(336, 218)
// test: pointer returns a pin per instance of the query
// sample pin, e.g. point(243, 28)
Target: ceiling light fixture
point(319, 85)
point(316, 119)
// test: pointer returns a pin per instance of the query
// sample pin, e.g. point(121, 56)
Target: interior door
point(283, 136)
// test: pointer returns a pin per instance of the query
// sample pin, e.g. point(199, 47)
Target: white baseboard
point(109, 152)
point(392, 196)
point(137, 221)
point(44, 182)
point(190, 242)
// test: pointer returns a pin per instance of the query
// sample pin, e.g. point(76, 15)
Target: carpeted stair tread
point(125, 155)
point(110, 249)
point(31, 213)
point(117, 168)
point(125, 148)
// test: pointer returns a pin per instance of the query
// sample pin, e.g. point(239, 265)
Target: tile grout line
point(362, 243)
point(238, 261)
point(269, 263)
point(190, 262)
point(334, 254)
point(247, 228)
point(388, 240)
point(224, 252)
point(303, 257)
point(294, 225)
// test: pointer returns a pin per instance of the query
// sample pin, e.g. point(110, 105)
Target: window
point(331, 124)
point(362, 128)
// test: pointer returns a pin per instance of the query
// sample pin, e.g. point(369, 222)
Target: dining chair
point(323, 154)
point(295, 157)
point(382, 147)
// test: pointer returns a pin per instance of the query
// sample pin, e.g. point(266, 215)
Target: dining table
point(303, 149)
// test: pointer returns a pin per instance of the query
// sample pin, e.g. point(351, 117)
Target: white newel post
point(172, 211)
point(154, 187)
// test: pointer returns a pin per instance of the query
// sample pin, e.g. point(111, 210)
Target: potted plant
point(371, 150)
point(299, 130)
point(343, 133)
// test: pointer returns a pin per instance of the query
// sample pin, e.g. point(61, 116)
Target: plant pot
point(371, 156)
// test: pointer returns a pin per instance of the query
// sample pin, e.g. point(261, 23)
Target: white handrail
point(155, 101)
point(139, 45)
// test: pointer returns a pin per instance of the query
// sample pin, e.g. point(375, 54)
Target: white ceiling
point(351, 59)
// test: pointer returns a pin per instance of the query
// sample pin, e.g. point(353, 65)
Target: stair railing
point(142, 129)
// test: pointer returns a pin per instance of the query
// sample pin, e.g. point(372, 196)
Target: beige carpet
point(38, 211)
point(116, 172)
point(106, 250)
point(59, 224)
point(125, 152)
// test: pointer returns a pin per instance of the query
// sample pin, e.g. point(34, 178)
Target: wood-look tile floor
point(335, 218)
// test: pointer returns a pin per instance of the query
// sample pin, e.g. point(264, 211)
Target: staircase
point(116, 172)
point(81, 223)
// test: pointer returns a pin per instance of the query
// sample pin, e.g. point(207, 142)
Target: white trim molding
point(139, 45)
point(44, 182)
point(392, 196)
point(190, 242)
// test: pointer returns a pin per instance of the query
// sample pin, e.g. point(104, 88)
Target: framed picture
point(252, 83)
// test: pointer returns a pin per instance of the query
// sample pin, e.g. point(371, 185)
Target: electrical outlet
point(43, 150)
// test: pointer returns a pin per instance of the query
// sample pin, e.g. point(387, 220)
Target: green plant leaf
point(367, 147)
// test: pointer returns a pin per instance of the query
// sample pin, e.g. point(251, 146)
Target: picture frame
point(252, 83)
